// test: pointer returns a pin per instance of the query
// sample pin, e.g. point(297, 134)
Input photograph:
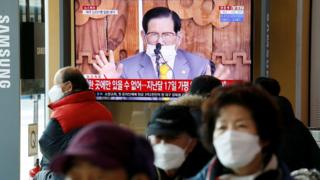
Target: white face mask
point(167, 51)
point(168, 156)
point(236, 149)
point(55, 93)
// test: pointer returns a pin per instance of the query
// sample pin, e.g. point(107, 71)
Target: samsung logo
point(5, 71)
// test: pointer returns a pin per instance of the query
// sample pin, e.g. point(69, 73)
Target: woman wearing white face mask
point(242, 125)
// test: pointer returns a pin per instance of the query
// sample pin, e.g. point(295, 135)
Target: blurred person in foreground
point(298, 149)
point(107, 152)
point(73, 106)
point(241, 123)
point(173, 134)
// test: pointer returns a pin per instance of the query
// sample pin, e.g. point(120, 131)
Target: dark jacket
point(70, 113)
point(298, 149)
point(214, 169)
point(194, 162)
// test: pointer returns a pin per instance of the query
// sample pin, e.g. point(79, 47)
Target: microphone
point(157, 49)
point(158, 53)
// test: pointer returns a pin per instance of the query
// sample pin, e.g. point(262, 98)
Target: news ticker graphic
point(144, 95)
point(93, 10)
point(142, 87)
point(227, 13)
point(231, 13)
point(89, 7)
point(139, 85)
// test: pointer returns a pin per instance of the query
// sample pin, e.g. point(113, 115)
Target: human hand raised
point(108, 67)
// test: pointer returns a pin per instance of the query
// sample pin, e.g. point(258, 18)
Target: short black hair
point(271, 85)
point(203, 85)
point(259, 103)
point(158, 12)
point(79, 83)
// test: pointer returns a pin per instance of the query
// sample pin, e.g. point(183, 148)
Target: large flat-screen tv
point(155, 56)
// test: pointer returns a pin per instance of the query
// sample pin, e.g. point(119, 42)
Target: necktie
point(164, 69)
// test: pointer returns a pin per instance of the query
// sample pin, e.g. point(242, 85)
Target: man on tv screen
point(162, 58)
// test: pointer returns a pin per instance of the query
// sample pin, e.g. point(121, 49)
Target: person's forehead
point(82, 166)
point(234, 113)
point(58, 77)
point(180, 135)
point(161, 24)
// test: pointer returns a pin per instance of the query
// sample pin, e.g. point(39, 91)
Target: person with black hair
point(173, 134)
point(73, 106)
point(203, 85)
point(269, 84)
point(162, 32)
point(299, 149)
point(241, 123)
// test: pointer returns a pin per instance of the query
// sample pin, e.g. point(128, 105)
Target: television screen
point(150, 50)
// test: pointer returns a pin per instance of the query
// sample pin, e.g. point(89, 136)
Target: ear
point(144, 38)
point(67, 87)
point(179, 38)
point(192, 145)
point(143, 34)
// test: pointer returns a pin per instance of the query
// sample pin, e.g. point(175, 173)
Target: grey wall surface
point(265, 38)
point(9, 90)
point(315, 66)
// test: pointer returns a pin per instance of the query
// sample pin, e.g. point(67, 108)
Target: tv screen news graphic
point(231, 13)
point(215, 39)
point(129, 88)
